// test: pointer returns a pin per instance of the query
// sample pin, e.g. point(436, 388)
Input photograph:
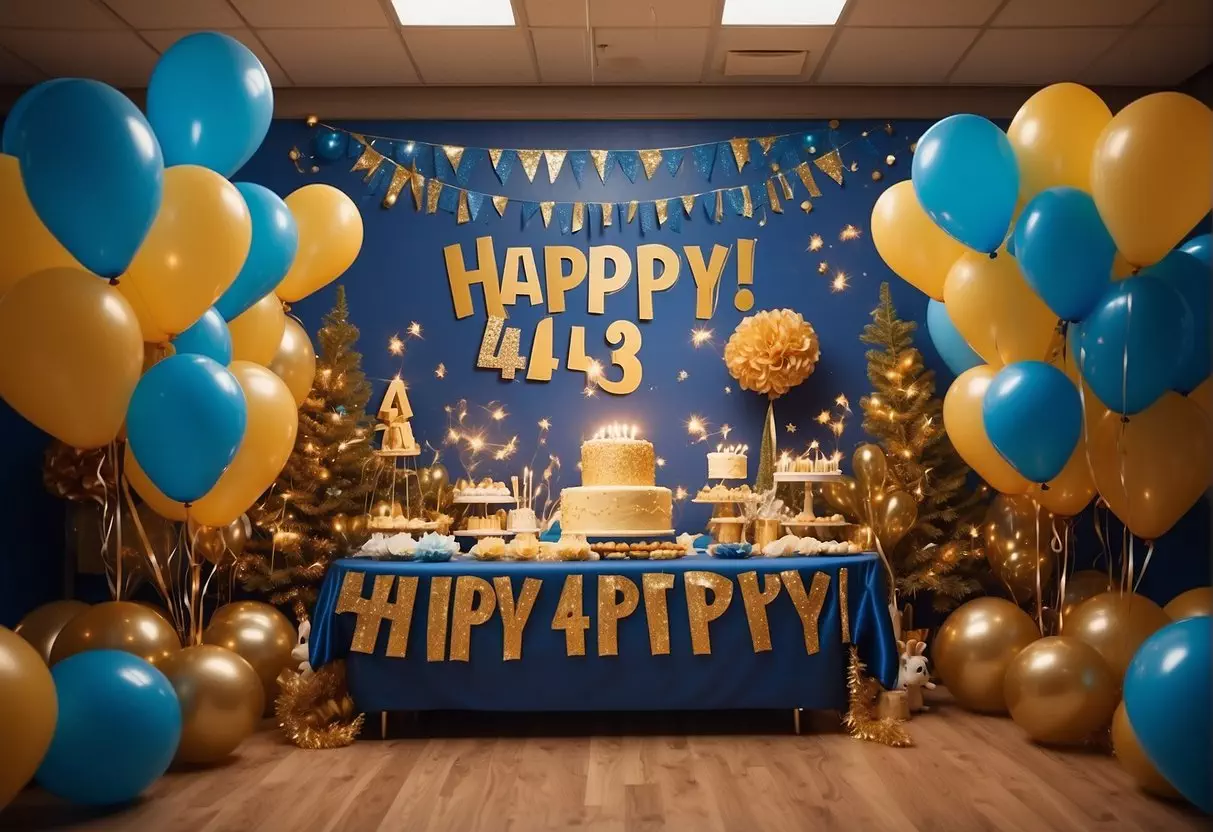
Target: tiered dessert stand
point(815, 527)
point(728, 521)
point(488, 505)
point(402, 459)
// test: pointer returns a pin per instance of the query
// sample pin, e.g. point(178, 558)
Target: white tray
point(485, 499)
point(805, 476)
point(617, 535)
point(714, 501)
point(825, 524)
point(729, 520)
point(482, 533)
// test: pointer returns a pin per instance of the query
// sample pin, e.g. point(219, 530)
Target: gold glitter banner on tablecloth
point(475, 602)
point(435, 629)
point(372, 611)
point(651, 159)
point(612, 607)
point(515, 613)
point(756, 602)
point(570, 616)
point(844, 605)
point(701, 613)
point(808, 605)
point(657, 611)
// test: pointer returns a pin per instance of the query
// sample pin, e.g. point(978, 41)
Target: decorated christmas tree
point(904, 416)
point(308, 517)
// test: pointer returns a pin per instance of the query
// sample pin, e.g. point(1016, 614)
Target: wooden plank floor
point(699, 771)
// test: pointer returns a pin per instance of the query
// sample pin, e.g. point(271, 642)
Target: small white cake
point(522, 518)
point(728, 463)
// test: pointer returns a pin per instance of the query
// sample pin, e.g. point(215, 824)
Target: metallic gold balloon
point(893, 515)
point(260, 634)
point(27, 722)
point(843, 494)
point(1012, 546)
point(1115, 624)
point(117, 625)
point(221, 701)
point(1060, 690)
point(975, 646)
point(1134, 760)
point(237, 533)
point(1082, 585)
point(218, 544)
point(1191, 604)
point(42, 626)
point(1071, 490)
point(295, 361)
point(870, 469)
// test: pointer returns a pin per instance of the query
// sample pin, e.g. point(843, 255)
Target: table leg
point(796, 720)
point(383, 725)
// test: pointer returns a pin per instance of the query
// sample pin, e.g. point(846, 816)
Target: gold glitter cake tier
point(618, 462)
point(600, 509)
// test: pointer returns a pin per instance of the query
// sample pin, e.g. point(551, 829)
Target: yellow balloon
point(295, 361)
point(221, 701)
point(42, 626)
point(117, 625)
point(1115, 623)
point(1060, 690)
point(193, 252)
point(910, 243)
point(963, 422)
point(1152, 174)
point(1054, 135)
point(259, 634)
point(27, 723)
point(996, 311)
point(1195, 603)
point(72, 355)
point(1203, 396)
point(974, 647)
point(330, 237)
point(269, 438)
point(27, 245)
point(257, 331)
point(1154, 467)
point(1133, 760)
point(1070, 491)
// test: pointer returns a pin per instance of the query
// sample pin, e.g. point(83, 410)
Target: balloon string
point(153, 559)
point(1082, 400)
point(1145, 564)
point(1060, 550)
point(1040, 613)
point(113, 456)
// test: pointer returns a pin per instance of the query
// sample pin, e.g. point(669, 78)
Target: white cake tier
point(726, 466)
point(522, 518)
point(602, 509)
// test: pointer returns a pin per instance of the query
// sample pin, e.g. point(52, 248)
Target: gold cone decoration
point(417, 184)
point(632, 210)
point(786, 186)
point(600, 163)
point(454, 154)
point(462, 215)
point(663, 211)
point(773, 197)
point(530, 162)
point(688, 203)
point(578, 216)
point(432, 192)
point(741, 151)
point(545, 208)
point(555, 160)
point(766, 143)
point(400, 178)
point(608, 214)
point(831, 165)
point(806, 177)
point(650, 159)
point(499, 202)
point(747, 204)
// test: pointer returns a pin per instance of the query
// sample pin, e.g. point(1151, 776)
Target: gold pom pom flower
point(772, 352)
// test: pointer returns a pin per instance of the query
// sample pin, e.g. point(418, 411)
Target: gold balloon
point(1162, 456)
point(1134, 760)
point(27, 245)
point(1115, 624)
point(975, 646)
point(72, 355)
point(1054, 135)
point(843, 494)
point(965, 426)
point(42, 626)
point(910, 243)
point(1203, 396)
point(295, 361)
point(1071, 490)
point(1060, 690)
point(192, 253)
point(258, 330)
point(871, 469)
point(117, 625)
point(207, 542)
point(258, 633)
point(893, 515)
point(1195, 603)
point(1014, 549)
point(221, 701)
point(1080, 586)
point(27, 722)
point(330, 237)
point(1151, 173)
point(996, 311)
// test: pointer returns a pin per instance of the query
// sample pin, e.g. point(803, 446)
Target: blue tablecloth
point(545, 678)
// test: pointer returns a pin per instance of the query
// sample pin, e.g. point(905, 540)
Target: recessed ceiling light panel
point(454, 12)
point(780, 12)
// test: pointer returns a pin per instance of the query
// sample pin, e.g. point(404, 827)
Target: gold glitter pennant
point(495, 156)
point(650, 159)
point(432, 192)
point(514, 614)
point(806, 176)
point(474, 604)
point(632, 211)
point(844, 605)
point(462, 214)
point(570, 617)
point(499, 202)
point(747, 204)
point(435, 627)
point(611, 608)
point(608, 214)
point(600, 163)
point(773, 197)
point(454, 154)
point(578, 216)
point(656, 610)
point(400, 178)
point(663, 211)
point(831, 165)
point(701, 613)
point(766, 143)
point(756, 602)
point(719, 206)
point(808, 606)
point(741, 151)
point(372, 611)
point(555, 160)
point(417, 184)
point(530, 162)
point(545, 208)
point(688, 202)
point(785, 186)
point(368, 161)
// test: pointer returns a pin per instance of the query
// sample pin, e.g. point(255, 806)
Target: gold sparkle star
point(728, 389)
point(415, 329)
point(725, 429)
point(660, 462)
point(849, 232)
point(440, 371)
point(823, 418)
point(823, 267)
point(816, 243)
point(696, 426)
point(544, 424)
point(789, 427)
point(701, 336)
point(680, 493)
point(588, 392)
point(843, 402)
point(839, 282)
point(395, 346)
point(595, 369)
point(683, 375)
point(498, 414)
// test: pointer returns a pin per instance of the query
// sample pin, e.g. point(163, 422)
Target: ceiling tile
point(920, 12)
point(623, 13)
point(162, 39)
point(1072, 12)
point(340, 57)
point(1153, 56)
point(15, 71)
point(650, 56)
point(1182, 13)
point(195, 14)
point(894, 56)
point(563, 56)
point(1032, 56)
point(118, 58)
point(471, 56)
point(320, 14)
point(60, 14)
point(811, 39)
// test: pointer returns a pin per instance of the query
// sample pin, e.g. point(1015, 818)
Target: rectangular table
point(657, 635)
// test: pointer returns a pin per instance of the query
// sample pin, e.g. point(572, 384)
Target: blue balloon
point(1170, 708)
point(118, 729)
point(97, 195)
point(1190, 278)
point(11, 140)
point(1199, 247)
point(208, 336)
point(1130, 346)
point(330, 143)
point(1033, 417)
point(949, 343)
point(185, 422)
point(967, 180)
point(210, 101)
point(275, 241)
point(1064, 251)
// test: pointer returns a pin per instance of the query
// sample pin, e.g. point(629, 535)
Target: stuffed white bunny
point(300, 652)
point(914, 674)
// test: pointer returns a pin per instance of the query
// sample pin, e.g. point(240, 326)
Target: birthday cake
point(727, 463)
point(618, 494)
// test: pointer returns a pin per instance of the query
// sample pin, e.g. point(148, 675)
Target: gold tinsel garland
point(772, 351)
point(315, 711)
point(861, 720)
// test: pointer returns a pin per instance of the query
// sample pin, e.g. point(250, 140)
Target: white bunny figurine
point(299, 653)
point(914, 674)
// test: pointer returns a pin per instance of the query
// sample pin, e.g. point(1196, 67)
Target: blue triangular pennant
point(726, 165)
point(448, 199)
point(377, 178)
point(593, 216)
point(505, 165)
point(673, 220)
point(629, 162)
point(405, 152)
point(475, 201)
point(708, 201)
point(564, 216)
point(464, 172)
point(779, 148)
point(705, 157)
point(354, 148)
point(735, 199)
point(608, 167)
point(758, 196)
point(673, 160)
point(789, 160)
point(442, 165)
point(578, 159)
point(648, 217)
point(528, 210)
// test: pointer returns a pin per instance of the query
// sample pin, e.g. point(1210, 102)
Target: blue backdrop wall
point(400, 278)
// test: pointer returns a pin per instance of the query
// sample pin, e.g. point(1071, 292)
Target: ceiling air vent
point(767, 63)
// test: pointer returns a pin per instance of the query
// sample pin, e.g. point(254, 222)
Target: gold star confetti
point(660, 462)
point(839, 282)
point(823, 418)
point(843, 402)
point(440, 371)
point(683, 375)
point(789, 427)
point(725, 429)
point(415, 329)
point(728, 389)
point(890, 160)
point(588, 392)
point(823, 267)
point(701, 336)
point(395, 346)
point(696, 426)
point(476, 442)
point(849, 232)
point(816, 243)
point(498, 414)
point(544, 424)
point(806, 206)
point(680, 493)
